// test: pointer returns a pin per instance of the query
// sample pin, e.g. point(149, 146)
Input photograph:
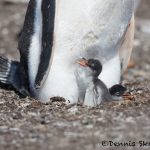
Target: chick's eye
point(92, 64)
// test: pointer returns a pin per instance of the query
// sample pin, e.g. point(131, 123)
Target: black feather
point(10, 75)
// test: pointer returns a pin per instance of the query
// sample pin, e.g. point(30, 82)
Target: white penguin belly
point(111, 73)
point(82, 29)
point(60, 82)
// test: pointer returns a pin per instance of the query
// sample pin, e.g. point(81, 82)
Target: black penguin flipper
point(25, 42)
point(47, 9)
point(48, 17)
point(10, 75)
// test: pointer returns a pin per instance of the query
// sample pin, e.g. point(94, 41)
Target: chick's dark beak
point(83, 62)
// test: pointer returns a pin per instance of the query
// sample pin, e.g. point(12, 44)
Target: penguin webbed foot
point(23, 93)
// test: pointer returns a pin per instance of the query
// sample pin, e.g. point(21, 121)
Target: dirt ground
point(27, 124)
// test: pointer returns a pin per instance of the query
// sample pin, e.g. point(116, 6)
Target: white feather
point(111, 72)
point(93, 98)
point(35, 47)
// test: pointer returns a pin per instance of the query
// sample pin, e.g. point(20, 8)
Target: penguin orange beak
point(83, 62)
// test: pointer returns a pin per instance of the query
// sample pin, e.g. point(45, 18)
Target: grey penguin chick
point(92, 91)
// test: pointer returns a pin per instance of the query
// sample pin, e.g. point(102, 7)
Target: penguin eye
point(93, 65)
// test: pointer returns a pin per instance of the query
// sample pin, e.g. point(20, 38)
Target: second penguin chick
point(92, 91)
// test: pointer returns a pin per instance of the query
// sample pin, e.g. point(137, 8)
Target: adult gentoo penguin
point(57, 32)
